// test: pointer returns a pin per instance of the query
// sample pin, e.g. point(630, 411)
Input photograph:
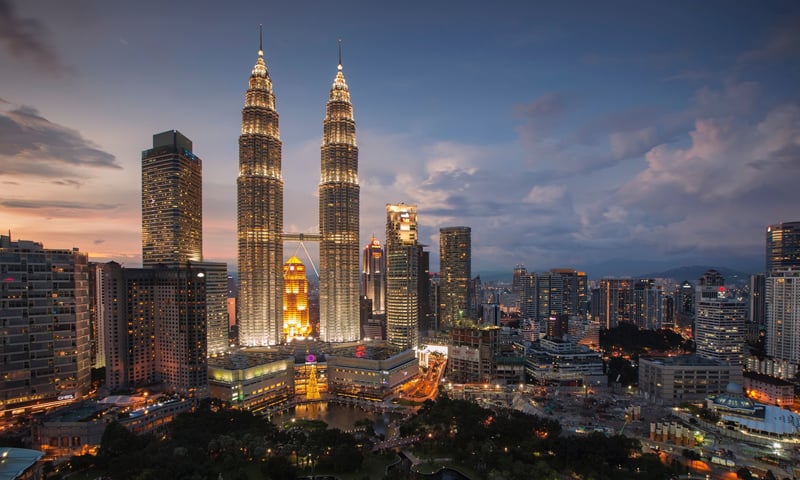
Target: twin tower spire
point(260, 215)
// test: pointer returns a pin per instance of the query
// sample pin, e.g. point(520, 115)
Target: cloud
point(545, 194)
point(33, 146)
point(783, 42)
point(22, 38)
point(54, 204)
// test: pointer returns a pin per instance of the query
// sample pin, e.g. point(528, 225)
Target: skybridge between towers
point(302, 238)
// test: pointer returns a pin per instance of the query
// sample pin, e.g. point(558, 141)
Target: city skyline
point(562, 137)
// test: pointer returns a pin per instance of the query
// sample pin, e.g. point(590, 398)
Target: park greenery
point(629, 339)
point(500, 443)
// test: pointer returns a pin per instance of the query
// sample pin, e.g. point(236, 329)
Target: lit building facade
point(612, 302)
point(172, 201)
point(156, 327)
point(685, 378)
point(783, 318)
point(251, 380)
point(295, 300)
point(647, 304)
point(373, 276)
point(402, 297)
point(259, 189)
point(216, 288)
point(339, 193)
point(720, 330)
point(783, 245)
point(44, 320)
point(455, 272)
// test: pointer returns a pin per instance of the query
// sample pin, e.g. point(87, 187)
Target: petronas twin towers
point(260, 216)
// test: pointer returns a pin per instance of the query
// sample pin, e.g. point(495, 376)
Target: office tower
point(647, 304)
point(259, 191)
point(373, 276)
point(339, 218)
point(216, 288)
point(719, 329)
point(783, 316)
point(402, 270)
point(783, 245)
point(155, 326)
point(455, 269)
point(295, 300)
point(757, 301)
point(575, 301)
point(613, 302)
point(45, 324)
point(172, 201)
point(710, 286)
point(549, 296)
point(425, 307)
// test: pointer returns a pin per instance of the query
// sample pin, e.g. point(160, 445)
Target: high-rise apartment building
point(217, 318)
point(44, 319)
point(373, 276)
point(339, 195)
point(296, 324)
point(156, 326)
point(648, 304)
point(455, 271)
point(402, 270)
point(259, 189)
point(612, 302)
point(575, 302)
point(783, 316)
point(172, 201)
point(783, 245)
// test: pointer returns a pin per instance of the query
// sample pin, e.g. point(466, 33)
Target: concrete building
point(402, 270)
point(783, 317)
point(370, 371)
point(483, 354)
point(686, 378)
point(720, 329)
point(769, 390)
point(251, 379)
point(44, 314)
point(552, 361)
point(156, 329)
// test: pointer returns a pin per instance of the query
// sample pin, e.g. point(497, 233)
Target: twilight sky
point(618, 137)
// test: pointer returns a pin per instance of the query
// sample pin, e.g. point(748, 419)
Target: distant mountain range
point(679, 274)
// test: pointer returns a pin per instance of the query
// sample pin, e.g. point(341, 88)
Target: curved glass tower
point(260, 215)
point(339, 218)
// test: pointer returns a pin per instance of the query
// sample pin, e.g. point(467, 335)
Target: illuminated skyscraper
point(172, 201)
point(295, 300)
point(373, 276)
point(783, 317)
point(402, 270)
point(260, 214)
point(783, 245)
point(455, 270)
point(339, 283)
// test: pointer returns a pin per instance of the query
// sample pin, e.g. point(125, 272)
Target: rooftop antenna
point(340, 54)
point(260, 39)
